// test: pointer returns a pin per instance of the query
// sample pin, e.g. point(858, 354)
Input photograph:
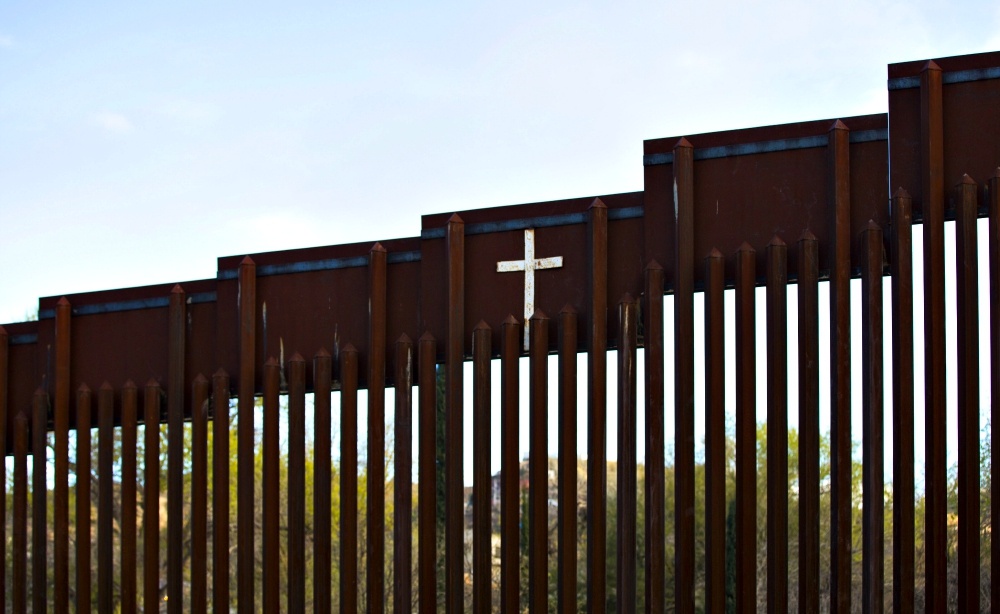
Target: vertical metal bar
point(426, 472)
point(839, 197)
point(655, 463)
point(597, 396)
point(220, 493)
point(809, 442)
point(199, 494)
point(402, 524)
point(566, 581)
point(19, 534)
point(746, 432)
point(296, 485)
point(83, 397)
point(993, 205)
point(244, 437)
point(538, 464)
point(151, 499)
point(482, 578)
point(777, 425)
point(684, 533)
point(376, 429)
point(4, 392)
point(322, 384)
point(175, 451)
point(60, 496)
point(454, 355)
point(349, 480)
point(932, 205)
point(715, 433)
point(270, 577)
point(39, 502)
point(129, 560)
point(873, 484)
point(627, 324)
point(902, 404)
point(106, 494)
point(510, 480)
point(967, 289)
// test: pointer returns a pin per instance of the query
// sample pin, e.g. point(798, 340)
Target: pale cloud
point(115, 122)
point(6, 41)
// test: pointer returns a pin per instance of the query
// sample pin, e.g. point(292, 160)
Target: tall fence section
point(804, 203)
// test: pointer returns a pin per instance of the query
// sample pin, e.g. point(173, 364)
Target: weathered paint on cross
point(529, 265)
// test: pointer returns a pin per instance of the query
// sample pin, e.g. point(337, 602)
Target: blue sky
point(140, 142)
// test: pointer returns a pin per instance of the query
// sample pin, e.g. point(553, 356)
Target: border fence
point(806, 203)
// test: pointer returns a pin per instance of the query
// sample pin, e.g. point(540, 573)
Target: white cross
point(529, 265)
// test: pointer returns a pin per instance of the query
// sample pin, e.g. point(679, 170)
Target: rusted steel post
point(376, 429)
point(244, 438)
point(993, 205)
point(322, 384)
point(777, 425)
point(151, 414)
point(809, 442)
point(83, 397)
point(220, 493)
point(873, 484)
point(715, 435)
point(349, 480)
point(902, 403)
point(627, 325)
point(270, 576)
point(199, 494)
point(566, 579)
point(296, 485)
point(454, 547)
point(129, 561)
point(967, 289)
point(4, 392)
point(19, 534)
point(746, 432)
point(510, 479)
point(426, 472)
point(839, 198)
point(402, 524)
point(39, 500)
point(684, 534)
point(597, 395)
point(60, 495)
point(105, 495)
point(935, 422)
point(175, 451)
point(655, 466)
point(482, 578)
point(538, 464)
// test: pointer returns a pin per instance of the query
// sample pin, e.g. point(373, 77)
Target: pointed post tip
point(776, 242)
point(322, 353)
point(510, 321)
point(597, 203)
point(271, 362)
point(715, 253)
point(745, 247)
point(455, 219)
point(683, 142)
point(838, 125)
point(902, 193)
point(966, 180)
point(221, 373)
point(247, 261)
point(177, 289)
point(404, 338)
point(377, 247)
point(152, 383)
point(567, 308)
point(626, 298)
point(83, 388)
point(931, 65)
point(349, 348)
point(482, 326)
point(807, 235)
point(200, 379)
point(872, 226)
point(654, 266)
point(427, 336)
point(539, 315)
point(129, 384)
point(62, 302)
point(296, 357)
point(106, 386)
point(996, 173)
